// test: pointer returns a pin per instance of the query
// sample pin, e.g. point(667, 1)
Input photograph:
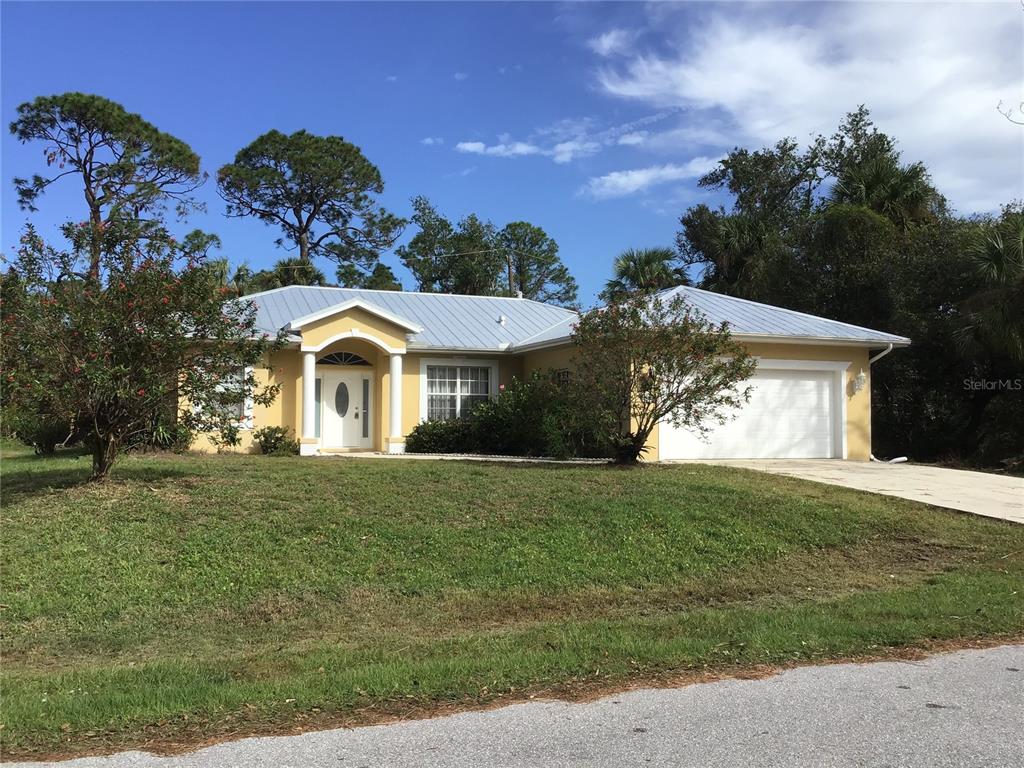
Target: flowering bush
point(112, 353)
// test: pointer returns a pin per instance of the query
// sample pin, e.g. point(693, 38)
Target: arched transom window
point(342, 358)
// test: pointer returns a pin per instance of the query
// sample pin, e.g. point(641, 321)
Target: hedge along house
point(362, 368)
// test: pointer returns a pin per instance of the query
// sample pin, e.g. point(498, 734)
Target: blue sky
point(590, 120)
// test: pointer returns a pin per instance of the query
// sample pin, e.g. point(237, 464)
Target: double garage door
point(791, 414)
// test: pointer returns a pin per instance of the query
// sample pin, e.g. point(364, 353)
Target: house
point(361, 368)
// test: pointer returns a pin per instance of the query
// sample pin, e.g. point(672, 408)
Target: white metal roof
point(495, 323)
point(751, 318)
point(484, 323)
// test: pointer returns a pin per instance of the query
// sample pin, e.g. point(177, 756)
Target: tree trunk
point(304, 247)
point(628, 453)
point(95, 242)
point(104, 451)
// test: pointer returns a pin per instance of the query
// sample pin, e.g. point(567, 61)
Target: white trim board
point(355, 333)
point(336, 309)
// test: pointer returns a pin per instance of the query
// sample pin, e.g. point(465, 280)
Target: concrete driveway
point(956, 710)
point(979, 493)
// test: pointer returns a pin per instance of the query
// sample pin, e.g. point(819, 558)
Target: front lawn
point(201, 597)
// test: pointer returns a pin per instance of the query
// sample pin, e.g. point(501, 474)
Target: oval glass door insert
point(341, 399)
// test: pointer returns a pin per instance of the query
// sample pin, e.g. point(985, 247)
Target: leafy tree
point(447, 259)
point(111, 358)
point(382, 278)
point(319, 190)
point(843, 270)
point(534, 267)
point(738, 253)
point(874, 245)
point(856, 141)
point(127, 168)
point(642, 359)
point(753, 249)
point(644, 270)
point(475, 258)
point(290, 272)
point(903, 194)
point(994, 315)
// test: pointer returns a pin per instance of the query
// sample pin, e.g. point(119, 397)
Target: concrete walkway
point(959, 709)
point(979, 493)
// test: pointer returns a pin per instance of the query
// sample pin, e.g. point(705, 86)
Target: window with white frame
point(454, 390)
point(240, 410)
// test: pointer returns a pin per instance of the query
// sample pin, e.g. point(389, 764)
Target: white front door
point(346, 398)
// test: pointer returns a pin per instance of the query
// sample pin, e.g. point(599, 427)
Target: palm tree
point(646, 270)
point(902, 193)
point(994, 316)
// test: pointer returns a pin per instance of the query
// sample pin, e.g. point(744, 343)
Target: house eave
point(767, 338)
point(336, 309)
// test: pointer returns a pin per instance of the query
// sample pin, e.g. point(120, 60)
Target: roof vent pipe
point(502, 320)
point(519, 294)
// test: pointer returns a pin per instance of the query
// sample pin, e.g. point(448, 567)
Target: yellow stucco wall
point(284, 367)
point(355, 319)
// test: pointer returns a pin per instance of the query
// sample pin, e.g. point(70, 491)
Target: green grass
point(195, 597)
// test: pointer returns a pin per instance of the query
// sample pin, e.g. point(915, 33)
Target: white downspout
point(879, 356)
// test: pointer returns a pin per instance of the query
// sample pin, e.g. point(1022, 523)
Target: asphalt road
point(959, 709)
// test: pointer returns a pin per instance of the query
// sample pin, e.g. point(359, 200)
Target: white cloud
point(460, 76)
point(392, 78)
point(613, 42)
point(624, 183)
point(431, 141)
point(567, 151)
point(567, 139)
point(633, 139)
point(504, 149)
point(931, 74)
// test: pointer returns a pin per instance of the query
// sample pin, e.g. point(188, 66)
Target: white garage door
point(789, 416)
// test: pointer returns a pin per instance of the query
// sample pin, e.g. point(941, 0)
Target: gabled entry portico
point(338, 383)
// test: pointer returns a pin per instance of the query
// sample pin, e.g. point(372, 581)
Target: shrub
point(533, 417)
point(166, 436)
point(43, 433)
point(457, 436)
point(276, 441)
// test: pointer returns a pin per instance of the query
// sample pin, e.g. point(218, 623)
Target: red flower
point(141, 392)
point(165, 300)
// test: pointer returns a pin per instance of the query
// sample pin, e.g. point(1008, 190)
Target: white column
point(307, 446)
point(395, 443)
